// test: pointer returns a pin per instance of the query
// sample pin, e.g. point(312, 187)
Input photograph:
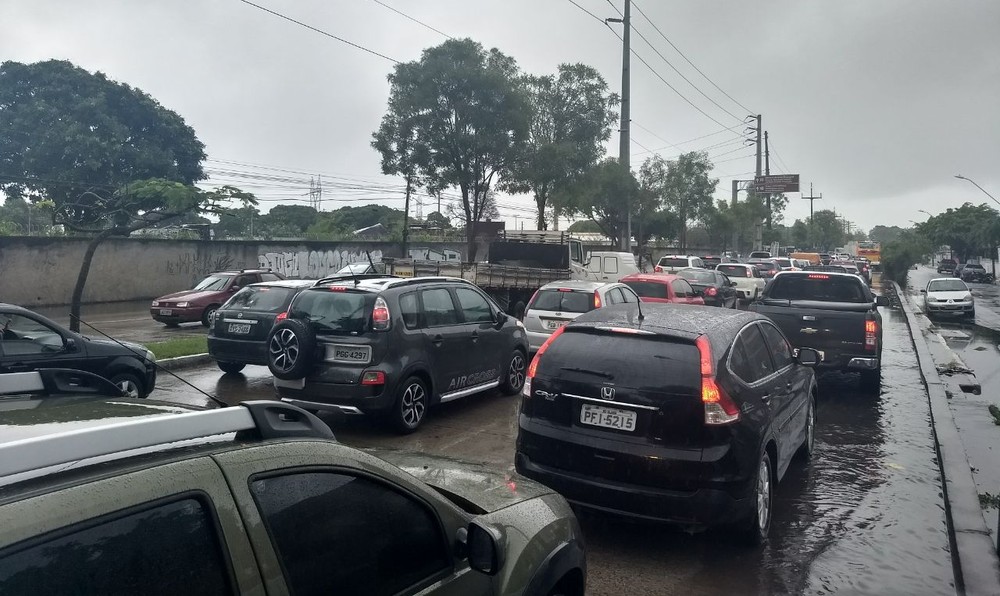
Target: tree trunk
point(81, 279)
point(540, 202)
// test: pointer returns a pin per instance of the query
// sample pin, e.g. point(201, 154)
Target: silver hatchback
point(559, 302)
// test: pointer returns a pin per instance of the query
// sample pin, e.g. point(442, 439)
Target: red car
point(662, 288)
point(201, 302)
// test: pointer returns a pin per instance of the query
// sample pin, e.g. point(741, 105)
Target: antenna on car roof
point(157, 364)
point(638, 306)
point(370, 262)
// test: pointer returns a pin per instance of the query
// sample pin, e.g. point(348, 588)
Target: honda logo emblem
point(608, 393)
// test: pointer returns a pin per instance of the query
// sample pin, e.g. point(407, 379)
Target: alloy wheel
point(764, 494)
point(413, 404)
point(129, 388)
point(284, 349)
point(516, 371)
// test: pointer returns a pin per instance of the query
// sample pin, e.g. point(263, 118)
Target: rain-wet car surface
point(866, 517)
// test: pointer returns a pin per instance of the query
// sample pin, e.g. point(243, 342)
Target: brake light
point(337, 289)
point(380, 315)
point(749, 274)
point(532, 301)
point(533, 367)
point(373, 377)
point(719, 407)
point(711, 292)
point(658, 269)
point(818, 276)
point(871, 334)
point(564, 290)
point(597, 300)
point(281, 317)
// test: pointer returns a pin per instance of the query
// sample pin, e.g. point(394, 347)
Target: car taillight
point(711, 292)
point(719, 407)
point(818, 276)
point(380, 315)
point(658, 269)
point(597, 300)
point(373, 377)
point(281, 317)
point(533, 367)
point(871, 334)
point(749, 274)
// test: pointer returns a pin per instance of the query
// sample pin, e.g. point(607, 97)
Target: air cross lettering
point(473, 379)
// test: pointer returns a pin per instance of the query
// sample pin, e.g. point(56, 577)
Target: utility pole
point(767, 172)
point(624, 139)
point(811, 198)
point(406, 214)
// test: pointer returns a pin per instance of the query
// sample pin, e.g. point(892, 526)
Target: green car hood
point(477, 488)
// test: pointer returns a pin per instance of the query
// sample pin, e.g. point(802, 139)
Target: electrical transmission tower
point(316, 193)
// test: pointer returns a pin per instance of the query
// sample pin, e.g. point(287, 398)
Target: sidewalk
point(968, 442)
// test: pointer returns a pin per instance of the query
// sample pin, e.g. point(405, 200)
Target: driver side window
point(24, 336)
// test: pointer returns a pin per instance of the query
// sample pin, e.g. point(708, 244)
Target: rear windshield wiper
point(604, 375)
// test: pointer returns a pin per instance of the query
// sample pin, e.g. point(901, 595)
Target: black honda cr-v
point(683, 414)
point(394, 346)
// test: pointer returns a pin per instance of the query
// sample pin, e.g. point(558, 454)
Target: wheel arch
point(565, 566)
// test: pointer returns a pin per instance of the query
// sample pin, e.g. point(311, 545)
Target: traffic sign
point(776, 183)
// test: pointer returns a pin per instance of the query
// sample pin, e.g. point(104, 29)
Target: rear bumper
point(349, 398)
point(237, 350)
point(699, 508)
point(850, 362)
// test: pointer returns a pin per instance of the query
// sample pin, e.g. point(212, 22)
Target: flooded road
point(864, 517)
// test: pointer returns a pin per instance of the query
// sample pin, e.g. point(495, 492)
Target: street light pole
point(961, 177)
point(624, 141)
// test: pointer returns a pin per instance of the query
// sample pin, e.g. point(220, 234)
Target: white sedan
point(947, 295)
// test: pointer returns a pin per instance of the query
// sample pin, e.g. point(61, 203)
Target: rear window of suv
point(734, 270)
point(333, 312)
point(563, 301)
point(818, 287)
point(259, 299)
point(643, 362)
point(669, 262)
point(648, 289)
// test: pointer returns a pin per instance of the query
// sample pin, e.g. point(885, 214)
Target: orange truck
point(871, 251)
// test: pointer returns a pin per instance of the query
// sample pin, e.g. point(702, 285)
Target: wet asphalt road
point(864, 517)
point(125, 321)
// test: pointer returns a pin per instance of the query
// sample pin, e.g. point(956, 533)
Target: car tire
point(758, 526)
point(291, 346)
point(206, 317)
point(129, 383)
point(971, 314)
point(808, 446)
point(231, 367)
point(514, 371)
point(871, 381)
point(173, 324)
point(410, 408)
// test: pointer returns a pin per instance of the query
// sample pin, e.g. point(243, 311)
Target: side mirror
point(732, 284)
point(234, 288)
point(807, 357)
point(69, 344)
point(881, 300)
point(501, 318)
point(923, 291)
point(483, 546)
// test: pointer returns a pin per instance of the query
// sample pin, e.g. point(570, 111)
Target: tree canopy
point(457, 117)
point(970, 230)
point(683, 186)
point(603, 194)
point(572, 114)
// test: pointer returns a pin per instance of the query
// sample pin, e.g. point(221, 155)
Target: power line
point(320, 31)
point(599, 19)
point(657, 136)
point(674, 89)
point(417, 21)
point(688, 60)
point(681, 75)
point(778, 158)
point(615, 8)
point(638, 143)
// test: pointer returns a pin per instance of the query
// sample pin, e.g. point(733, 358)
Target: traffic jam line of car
point(636, 399)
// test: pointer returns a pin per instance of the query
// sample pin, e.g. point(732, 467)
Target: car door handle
point(437, 340)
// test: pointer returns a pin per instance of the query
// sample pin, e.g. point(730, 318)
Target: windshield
point(734, 270)
point(766, 266)
point(648, 289)
point(213, 283)
point(783, 262)
point(563, 301)
point(259, 298)
point(356, 268)
point(818, 287)
point(947, 285)
point(699, 275)
point(974, 266)
point(338, 313)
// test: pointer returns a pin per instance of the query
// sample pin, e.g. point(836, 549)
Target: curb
point(182, 362)
point(973, 554)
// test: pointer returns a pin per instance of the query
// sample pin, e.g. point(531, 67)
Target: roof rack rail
point(349, 277)
point(268, 419)
point(407, 281)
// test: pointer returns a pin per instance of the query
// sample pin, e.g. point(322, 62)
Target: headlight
point(155, 303)
point(931, 299)
point(182, 304)
point(150, 356)
point(968, 296)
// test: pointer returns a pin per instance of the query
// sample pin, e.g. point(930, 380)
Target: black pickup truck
point(835, 313)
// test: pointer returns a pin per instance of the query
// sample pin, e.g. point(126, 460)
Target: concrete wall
point(42, 271)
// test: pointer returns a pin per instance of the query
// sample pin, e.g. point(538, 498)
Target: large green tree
point(106, 157)
point(827, 231)
point(572, 114)
point(884, 234)
point(604, 194)
point(21, 216)
point(458, 117)
point(345, 221)
point(683, 185)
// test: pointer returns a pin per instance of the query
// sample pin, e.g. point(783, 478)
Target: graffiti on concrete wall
point(313, 264)
point(424, 253)
point(194, 264)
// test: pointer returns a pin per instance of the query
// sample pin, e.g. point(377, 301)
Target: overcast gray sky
point(878, 102)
